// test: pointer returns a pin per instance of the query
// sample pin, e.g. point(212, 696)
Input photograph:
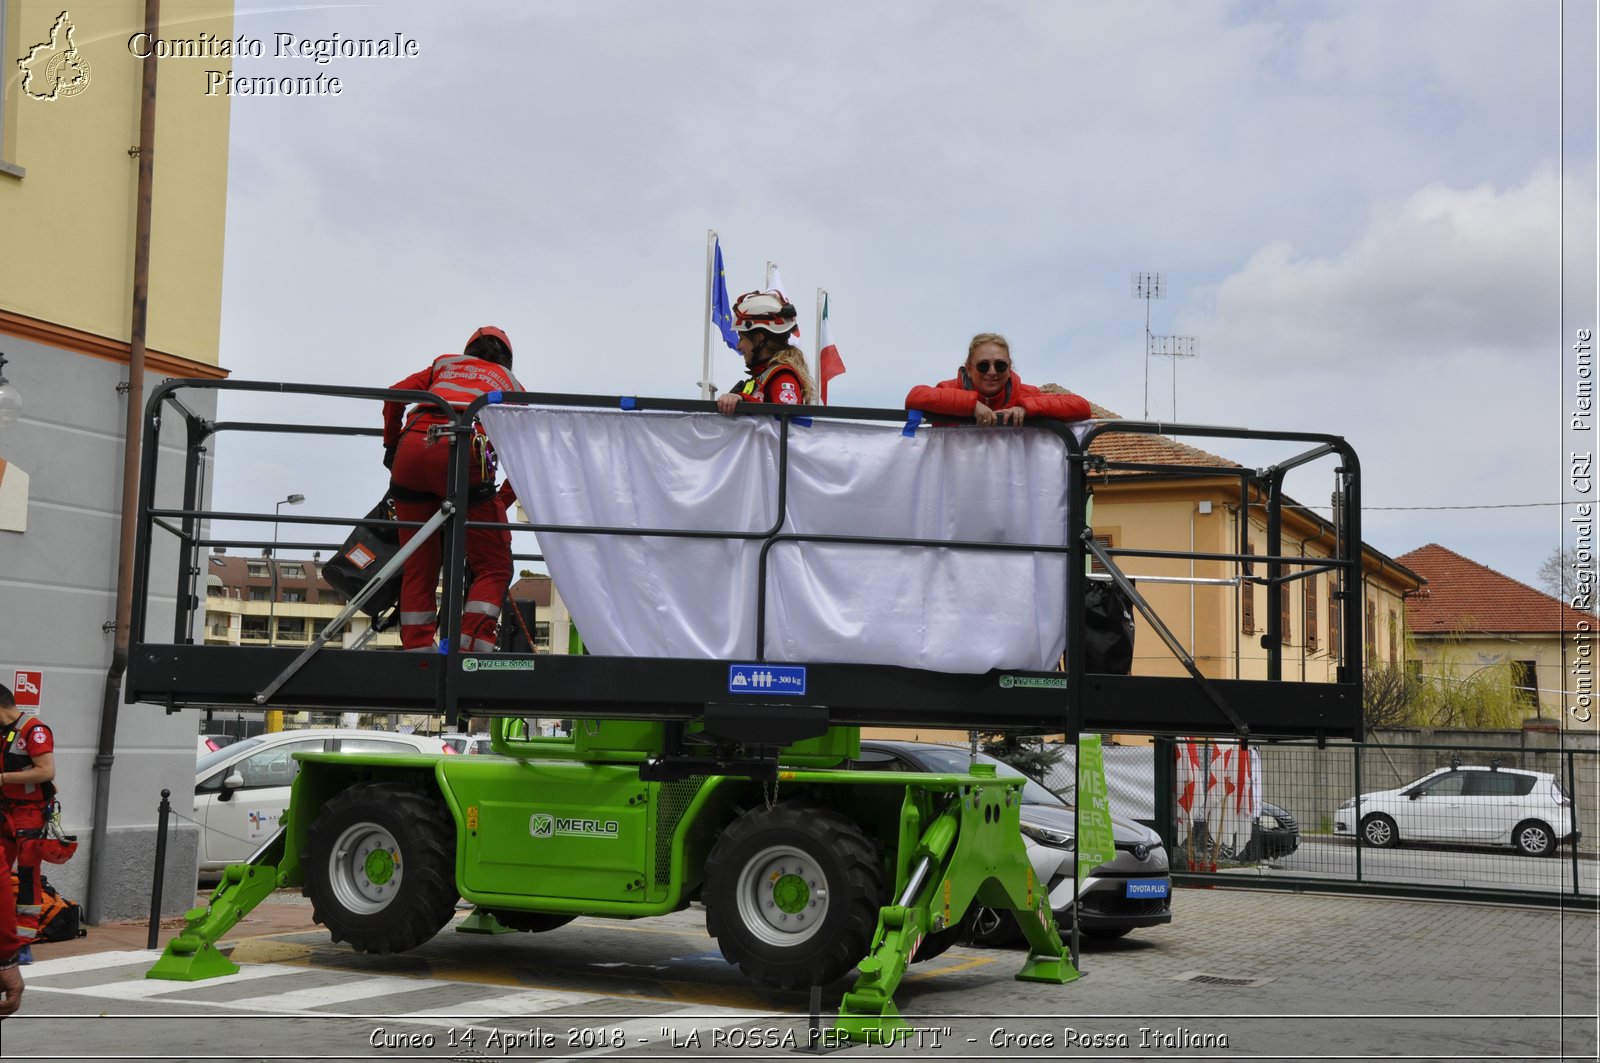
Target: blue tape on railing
point(495, 396)
point(629, 402)
point(444, 646)
point(803, 422)
point(913, 418)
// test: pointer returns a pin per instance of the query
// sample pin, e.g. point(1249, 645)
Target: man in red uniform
point(987, 388)
point(420, 463)
point(10, 945)
point(27, 768)
point(778, 372)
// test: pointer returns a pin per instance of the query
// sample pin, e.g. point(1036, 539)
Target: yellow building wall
point(1208, 619)
point(1457, 657)
point(68, 222)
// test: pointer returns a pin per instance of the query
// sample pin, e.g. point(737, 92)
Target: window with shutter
point(1283, 614)
point(1310, 611)
point(1094, 562)
point(1247, 598)
point(1334, 616)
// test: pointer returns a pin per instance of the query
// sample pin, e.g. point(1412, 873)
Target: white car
point(241, 790)
point(465, 743)
point(1485, 806)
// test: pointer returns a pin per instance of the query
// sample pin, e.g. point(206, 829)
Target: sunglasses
point(1000, 365)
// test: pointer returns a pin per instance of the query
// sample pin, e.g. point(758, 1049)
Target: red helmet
point(49, 849)
point(494, 333)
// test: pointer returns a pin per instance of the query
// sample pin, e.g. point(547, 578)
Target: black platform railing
point(181, 673)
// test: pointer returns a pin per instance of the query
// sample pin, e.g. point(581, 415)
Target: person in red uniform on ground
point(27, 768)
point(778, 371)
point(10, 945)
point(988, 389)
point(419, 461)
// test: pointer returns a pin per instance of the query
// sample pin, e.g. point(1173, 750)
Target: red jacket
point(774, 383)
point(453, 377)
point(952, 398)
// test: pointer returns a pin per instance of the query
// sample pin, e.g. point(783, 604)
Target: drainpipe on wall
point(112, 702)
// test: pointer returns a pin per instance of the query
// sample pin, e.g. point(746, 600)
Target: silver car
point(1133, 890)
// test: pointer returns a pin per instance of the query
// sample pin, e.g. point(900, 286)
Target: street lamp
point(272, 606)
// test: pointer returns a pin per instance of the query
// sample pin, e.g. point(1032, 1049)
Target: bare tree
point(1556, 575)
point(1389, 696)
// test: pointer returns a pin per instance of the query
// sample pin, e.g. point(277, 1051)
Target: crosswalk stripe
point(145, 988)
point(90, 961)
point(318, 997)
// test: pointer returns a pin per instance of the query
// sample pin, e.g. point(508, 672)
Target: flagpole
point(816, 359)
point(705, 322)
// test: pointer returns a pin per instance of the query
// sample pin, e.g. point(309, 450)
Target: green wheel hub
point(791, 894)
point(380, 866)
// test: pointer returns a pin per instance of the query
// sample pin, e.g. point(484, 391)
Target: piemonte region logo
point(55, 69)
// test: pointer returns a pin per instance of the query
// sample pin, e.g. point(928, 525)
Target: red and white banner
point(1219, 786)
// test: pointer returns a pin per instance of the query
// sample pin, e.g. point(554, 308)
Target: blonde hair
point(790, 357)
point(794, 358)
point(987, 337)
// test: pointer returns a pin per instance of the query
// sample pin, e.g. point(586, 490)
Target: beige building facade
point(71, 153)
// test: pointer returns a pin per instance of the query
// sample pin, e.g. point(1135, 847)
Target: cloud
point(1446, 273)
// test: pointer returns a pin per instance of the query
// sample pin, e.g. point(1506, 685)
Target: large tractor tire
point(380, 867)
point(792, 894)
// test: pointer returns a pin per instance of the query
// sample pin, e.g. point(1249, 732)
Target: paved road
point(1238, 975)
point(1443, 866)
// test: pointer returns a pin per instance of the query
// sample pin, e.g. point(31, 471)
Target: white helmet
point(767, 310)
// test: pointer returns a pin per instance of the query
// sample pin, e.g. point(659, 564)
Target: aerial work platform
point(857, 548)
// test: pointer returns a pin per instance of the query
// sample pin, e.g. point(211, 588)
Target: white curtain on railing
point(941, 608)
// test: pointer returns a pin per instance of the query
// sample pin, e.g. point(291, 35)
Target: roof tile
point(1464, 596)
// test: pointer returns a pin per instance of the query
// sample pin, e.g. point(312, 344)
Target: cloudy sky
point(1364, 211)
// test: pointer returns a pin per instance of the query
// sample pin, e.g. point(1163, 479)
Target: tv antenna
point(1173, 347)
point(1148, 286)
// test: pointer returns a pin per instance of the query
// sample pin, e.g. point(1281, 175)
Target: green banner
point(1096, 845)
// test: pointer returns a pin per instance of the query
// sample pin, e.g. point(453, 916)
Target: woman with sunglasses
point(987, 389)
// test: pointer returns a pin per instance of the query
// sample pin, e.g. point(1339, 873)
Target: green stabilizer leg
point(867, 1013)
point(1048, 960)
point(192, 955)
point(481, 922)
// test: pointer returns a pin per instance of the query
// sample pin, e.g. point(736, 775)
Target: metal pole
point(111, 700)
point(162, 812)
point(816, 359)
point(1572, 795)
point(705, 340)
point(1355, 821)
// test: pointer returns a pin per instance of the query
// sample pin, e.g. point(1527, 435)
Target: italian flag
point(829, 364)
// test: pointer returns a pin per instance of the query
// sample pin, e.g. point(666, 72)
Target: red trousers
point(423, 465)
point(20, 816)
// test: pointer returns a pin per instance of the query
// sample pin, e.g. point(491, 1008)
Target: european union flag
point(721, 308)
